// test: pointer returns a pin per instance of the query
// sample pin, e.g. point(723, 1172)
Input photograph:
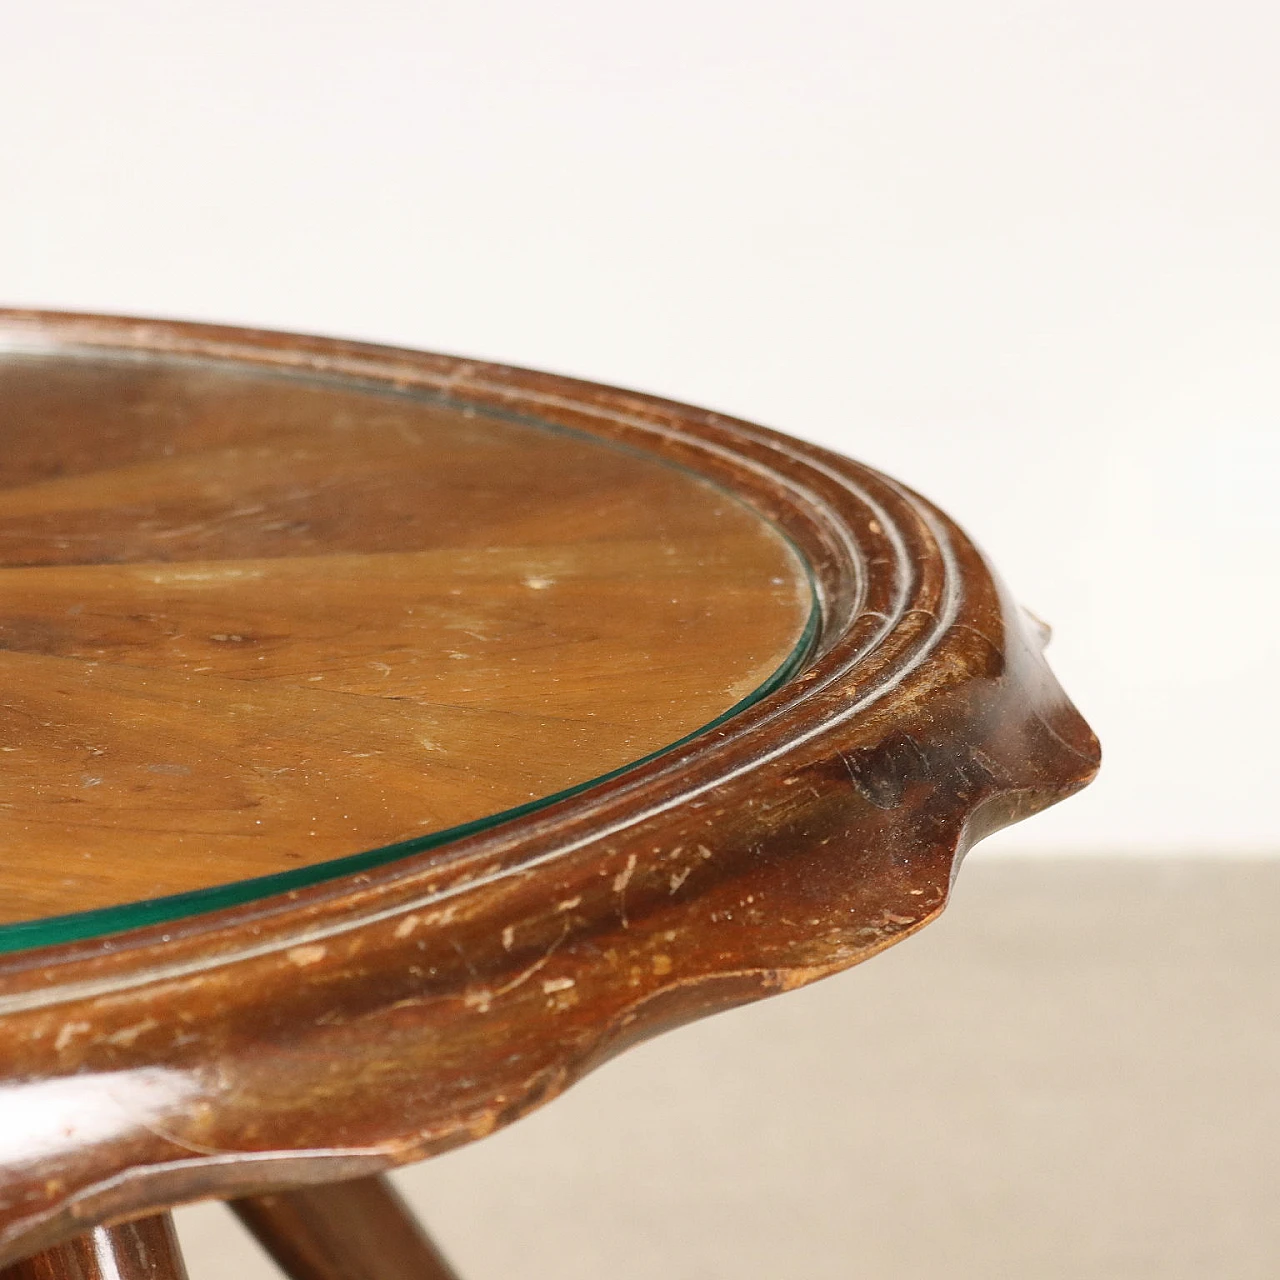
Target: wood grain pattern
point(338, 1030)
point(143, 1250)
point(358, 1230)
point(250, 623)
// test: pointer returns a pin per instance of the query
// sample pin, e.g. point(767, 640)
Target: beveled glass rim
point(102, 922)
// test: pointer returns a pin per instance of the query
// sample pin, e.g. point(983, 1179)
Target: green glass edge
point(25, 935)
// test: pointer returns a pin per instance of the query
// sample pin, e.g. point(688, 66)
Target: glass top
point(258, 630)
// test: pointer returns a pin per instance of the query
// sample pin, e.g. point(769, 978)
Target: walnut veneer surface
point(253, 622)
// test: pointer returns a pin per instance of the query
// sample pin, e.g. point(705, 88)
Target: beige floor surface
point(1072, 1074)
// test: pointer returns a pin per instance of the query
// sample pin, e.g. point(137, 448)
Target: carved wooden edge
point(338, 1030)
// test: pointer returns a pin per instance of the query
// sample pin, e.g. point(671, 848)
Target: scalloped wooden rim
point(906, 603)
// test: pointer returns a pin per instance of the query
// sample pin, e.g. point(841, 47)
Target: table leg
point(143, 1250)
point(357, 1230)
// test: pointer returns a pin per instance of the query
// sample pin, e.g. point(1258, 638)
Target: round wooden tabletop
point(389, 738)
point(263, 627)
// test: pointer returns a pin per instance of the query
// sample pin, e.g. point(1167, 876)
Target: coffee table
point(390, 738)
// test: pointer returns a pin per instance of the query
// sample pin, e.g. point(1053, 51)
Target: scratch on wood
point(620, 882)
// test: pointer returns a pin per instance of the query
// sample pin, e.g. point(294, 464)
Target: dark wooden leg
point(142, 1250)
point(358, 1230)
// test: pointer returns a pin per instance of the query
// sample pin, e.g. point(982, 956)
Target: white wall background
point(1023, 255)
